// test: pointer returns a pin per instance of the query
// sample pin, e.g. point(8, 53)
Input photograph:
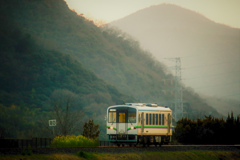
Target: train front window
point(122, 115)
point(112, 116)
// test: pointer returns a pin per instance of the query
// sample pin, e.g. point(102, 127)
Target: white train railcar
point(139, 123)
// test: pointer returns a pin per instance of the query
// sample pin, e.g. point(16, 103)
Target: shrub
point(73, 141)
point(85, 155)
point(29, 150)
point(91, 130)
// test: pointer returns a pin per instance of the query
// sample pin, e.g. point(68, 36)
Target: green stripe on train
point(153, 127)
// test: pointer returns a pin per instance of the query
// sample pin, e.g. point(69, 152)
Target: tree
point(67, 114)
point(91, 130)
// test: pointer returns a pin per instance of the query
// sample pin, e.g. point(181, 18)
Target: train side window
point(142, 119)
point(146, 118)
point(169, 119)
point(131, 116)
point(150, 119)
point(162, 119)
point(153, 119)
point(156, 119)
point(139, 118)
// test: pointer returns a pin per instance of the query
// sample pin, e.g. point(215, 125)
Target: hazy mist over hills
point(210, 52)
point(45, 47)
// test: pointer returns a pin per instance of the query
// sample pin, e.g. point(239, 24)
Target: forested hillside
point(107, 53)
point(30, 73)
point(47, 47)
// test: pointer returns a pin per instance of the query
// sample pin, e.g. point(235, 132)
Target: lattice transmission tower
point(178, 94)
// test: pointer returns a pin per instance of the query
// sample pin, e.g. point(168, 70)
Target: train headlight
point(111, 127)
point(133, 127)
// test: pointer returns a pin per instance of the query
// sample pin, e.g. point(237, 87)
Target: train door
point(169, 122)
point(122, 121)
point(142, 122)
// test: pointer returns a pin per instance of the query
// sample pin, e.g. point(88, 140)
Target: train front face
point(121, 124)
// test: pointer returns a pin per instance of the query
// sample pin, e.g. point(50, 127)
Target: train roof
point(144, 106)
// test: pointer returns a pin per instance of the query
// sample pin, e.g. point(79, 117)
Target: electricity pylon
point(178, 102)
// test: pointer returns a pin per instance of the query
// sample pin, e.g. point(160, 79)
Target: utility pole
point(178, 102)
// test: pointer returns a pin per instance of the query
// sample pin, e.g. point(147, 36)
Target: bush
point(91, 130)
point(27, 151)
point(73, 141)
point(85, 155)
point(208, 131)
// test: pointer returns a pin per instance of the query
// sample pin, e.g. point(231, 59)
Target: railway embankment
point(116, 150)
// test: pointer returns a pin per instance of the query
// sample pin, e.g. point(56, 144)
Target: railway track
point(115, 149)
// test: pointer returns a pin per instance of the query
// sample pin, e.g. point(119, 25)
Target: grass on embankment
point(188, 155)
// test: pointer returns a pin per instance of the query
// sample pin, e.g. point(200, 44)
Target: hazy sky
point(221, 11)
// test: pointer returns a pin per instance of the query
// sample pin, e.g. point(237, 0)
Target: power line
point(214, 64)
point(232, 83)
point(213, 75)
point(228, 95)
point(207, 65)
point(210, 55)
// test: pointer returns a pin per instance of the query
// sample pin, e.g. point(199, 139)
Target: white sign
point(52, 122)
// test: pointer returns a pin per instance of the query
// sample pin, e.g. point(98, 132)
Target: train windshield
point(122, 115)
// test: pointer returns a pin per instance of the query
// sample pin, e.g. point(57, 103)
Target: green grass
point(187, 155)
point(41, 157)
point(193, 155)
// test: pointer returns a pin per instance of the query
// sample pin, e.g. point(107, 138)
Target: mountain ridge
point(168, 30)
point(115, 59)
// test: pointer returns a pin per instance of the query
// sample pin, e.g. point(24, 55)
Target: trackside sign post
point(52, 123)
